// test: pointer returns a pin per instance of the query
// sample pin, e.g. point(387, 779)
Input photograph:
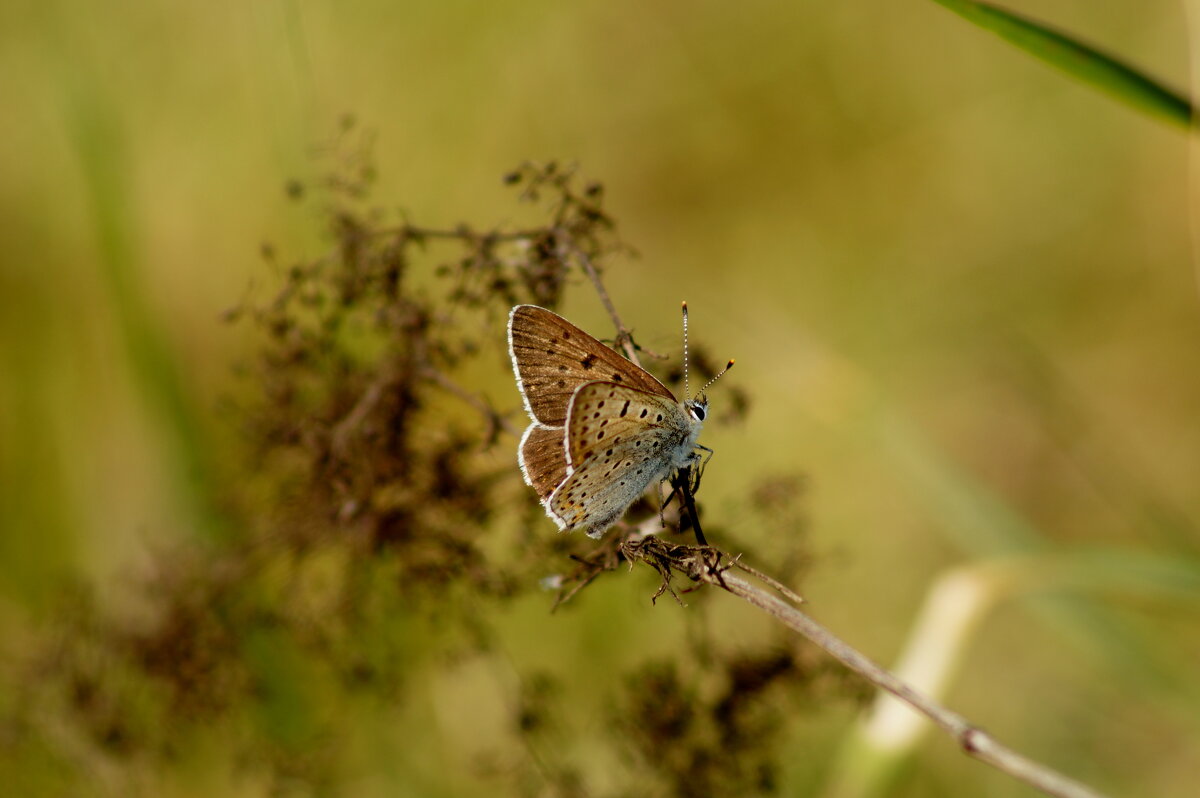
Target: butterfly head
point(697, 409)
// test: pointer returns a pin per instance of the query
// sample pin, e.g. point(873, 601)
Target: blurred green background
point(959, 286)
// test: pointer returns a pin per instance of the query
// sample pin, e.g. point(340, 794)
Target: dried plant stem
point(973, 740)
point(497, 420)
point(623, 336)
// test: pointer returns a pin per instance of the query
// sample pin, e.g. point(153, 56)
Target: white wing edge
point(512, 355)
point(562, 525)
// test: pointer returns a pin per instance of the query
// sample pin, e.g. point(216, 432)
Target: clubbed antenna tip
point(720, 374)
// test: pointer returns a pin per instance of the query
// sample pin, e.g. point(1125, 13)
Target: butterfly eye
point(697, 411)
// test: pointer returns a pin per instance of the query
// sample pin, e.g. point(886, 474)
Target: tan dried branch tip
point(704, 564)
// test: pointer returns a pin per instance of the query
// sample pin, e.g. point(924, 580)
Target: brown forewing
point(552, 358)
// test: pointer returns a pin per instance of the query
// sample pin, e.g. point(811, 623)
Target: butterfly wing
point(619, 440)
point(543, 459)
point(552, 357)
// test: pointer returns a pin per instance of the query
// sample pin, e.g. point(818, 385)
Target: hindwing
point(543, 458)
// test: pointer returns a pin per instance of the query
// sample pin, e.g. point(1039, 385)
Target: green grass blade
point(1080, 61)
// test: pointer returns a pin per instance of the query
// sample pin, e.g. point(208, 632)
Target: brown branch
point(497, 420)
point(456, 234)
point(624, 338)
point(340, 434)
point(974, 741)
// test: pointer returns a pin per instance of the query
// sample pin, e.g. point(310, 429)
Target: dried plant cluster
point(371, 509)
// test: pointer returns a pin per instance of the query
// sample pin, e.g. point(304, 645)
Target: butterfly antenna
point(686, 392)
point(728, 366)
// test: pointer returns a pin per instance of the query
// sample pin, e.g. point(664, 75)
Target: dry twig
point(701, 564)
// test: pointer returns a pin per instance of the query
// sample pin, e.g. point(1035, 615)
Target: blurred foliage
point(961, 293)
point(380, 515)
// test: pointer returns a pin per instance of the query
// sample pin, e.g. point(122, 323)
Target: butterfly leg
point(663, 506)
point(685, 481)
point(698, 472)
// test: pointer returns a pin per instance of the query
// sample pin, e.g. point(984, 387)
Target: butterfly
point(603, 428)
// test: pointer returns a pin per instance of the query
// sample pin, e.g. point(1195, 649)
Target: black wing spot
point(566, 335)
point(660, 416)
point(644, 412)
point(562, 368)
point(624, 409)
point(608, 453)
point(595, 415)
point(562, 383)
point(617, 378)
point(588, 360)
point(599, 434)
point(603, 423)
point(601, 404)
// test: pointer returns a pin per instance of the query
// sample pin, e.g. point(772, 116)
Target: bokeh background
point(960, 288)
